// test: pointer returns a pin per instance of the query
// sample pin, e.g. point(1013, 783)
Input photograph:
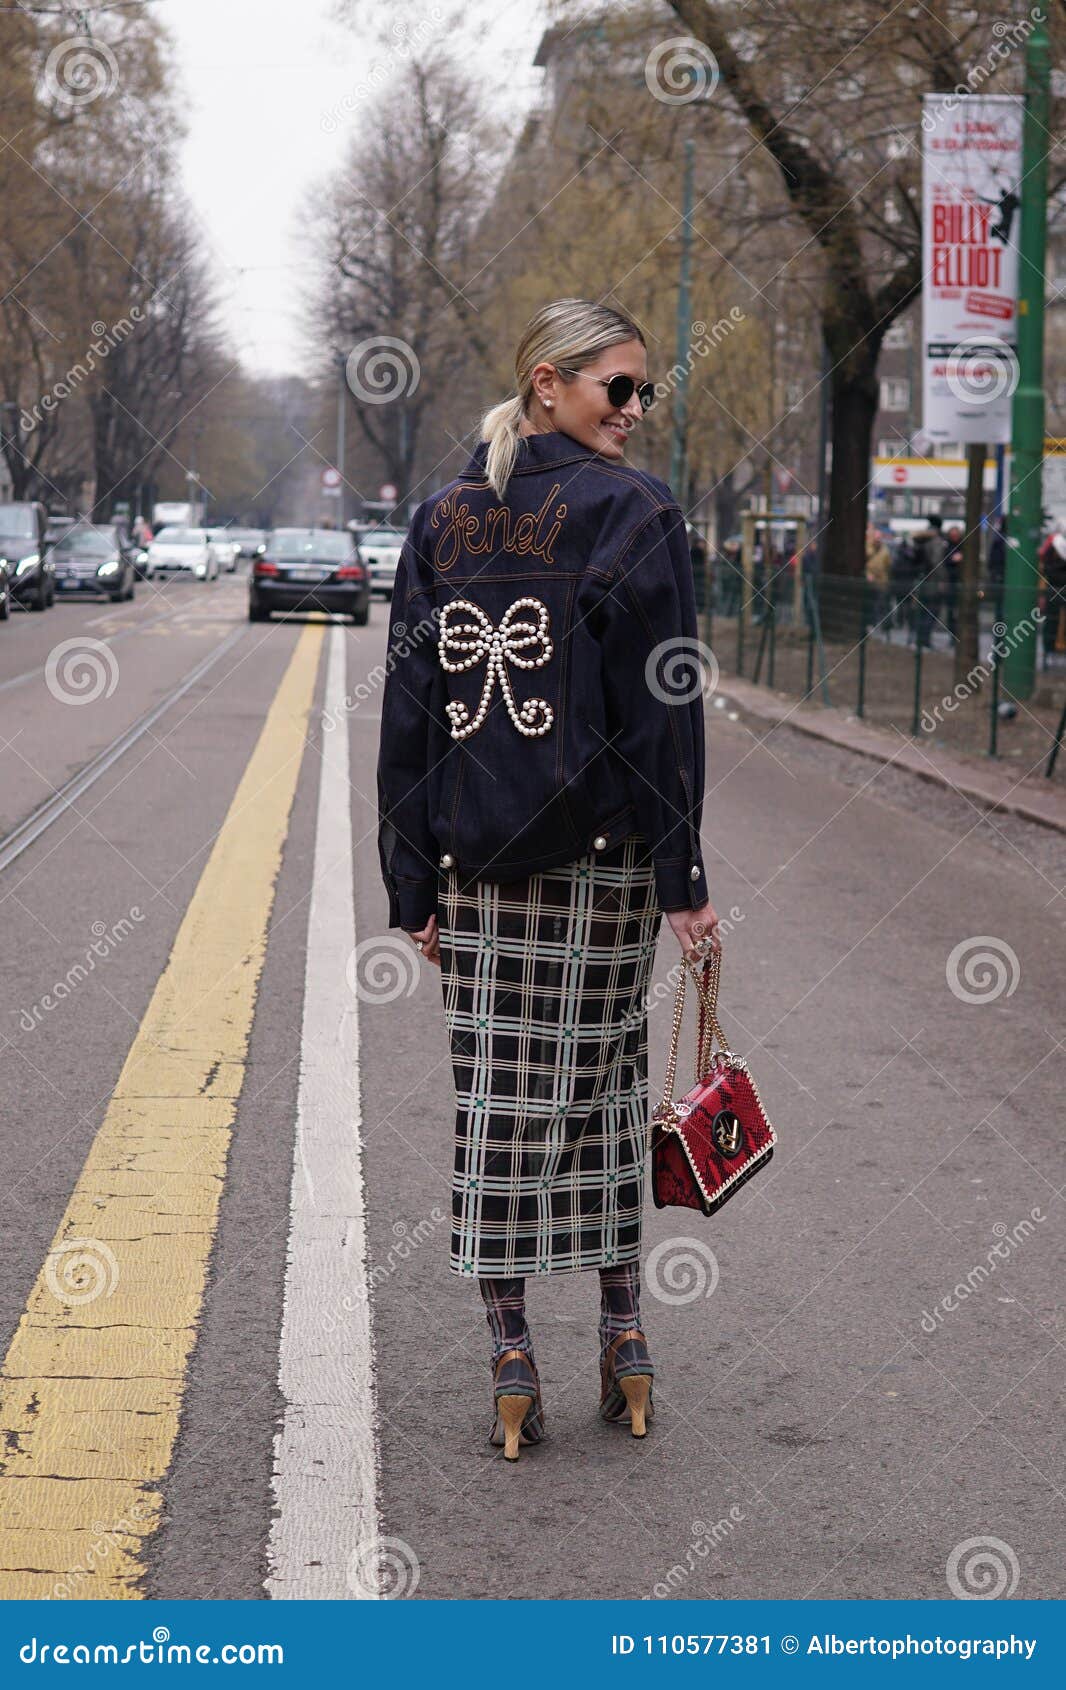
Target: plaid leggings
point(505, 1308)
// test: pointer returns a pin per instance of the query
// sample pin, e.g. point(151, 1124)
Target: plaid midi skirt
point(545, 984)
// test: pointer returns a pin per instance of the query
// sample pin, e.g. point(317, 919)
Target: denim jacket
point(542, 696)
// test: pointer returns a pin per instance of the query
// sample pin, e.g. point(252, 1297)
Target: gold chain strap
point(710, 1029)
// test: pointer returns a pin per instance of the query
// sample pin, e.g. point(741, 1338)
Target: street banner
point(971, 187)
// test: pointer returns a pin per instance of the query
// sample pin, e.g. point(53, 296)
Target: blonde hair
point(569, 333)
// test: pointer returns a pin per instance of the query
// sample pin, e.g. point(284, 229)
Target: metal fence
point(891, 654)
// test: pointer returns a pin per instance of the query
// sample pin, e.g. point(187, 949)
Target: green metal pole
point(997, 661)
point(1027, 417)
point(864, 617)
point(342, 394)
point(684, 333)
point(773, 642)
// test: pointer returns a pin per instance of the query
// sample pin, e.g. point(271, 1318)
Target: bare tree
point(397, 256)
point(838, 112)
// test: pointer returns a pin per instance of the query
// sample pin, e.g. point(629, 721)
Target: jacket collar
point(536, 451)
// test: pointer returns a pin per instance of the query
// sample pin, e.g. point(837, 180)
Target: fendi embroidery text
point(531, 535)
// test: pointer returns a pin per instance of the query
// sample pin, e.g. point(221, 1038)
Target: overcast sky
point(272, 100)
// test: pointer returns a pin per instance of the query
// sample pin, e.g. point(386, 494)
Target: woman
point(540, 787)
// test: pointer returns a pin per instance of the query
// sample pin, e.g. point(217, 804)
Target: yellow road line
point(91, 1388)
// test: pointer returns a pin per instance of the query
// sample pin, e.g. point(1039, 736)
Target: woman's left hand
point(430, 937)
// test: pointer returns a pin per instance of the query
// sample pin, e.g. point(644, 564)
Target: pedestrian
point(926, 590)
point(904, 575)
point(997, 558)
point(697, 551)
point(732, 577)
point(1053, 569)
point(951, 579)
point(759, 571)
point(879, 575)
point(540, 783)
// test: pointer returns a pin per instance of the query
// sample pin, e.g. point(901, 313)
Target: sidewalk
point(996, 786)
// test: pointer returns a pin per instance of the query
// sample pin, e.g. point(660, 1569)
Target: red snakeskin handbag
point(707, 1144)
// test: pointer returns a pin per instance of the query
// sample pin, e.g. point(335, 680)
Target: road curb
point(994, 789)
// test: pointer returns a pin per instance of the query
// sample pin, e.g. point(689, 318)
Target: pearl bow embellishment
point(464, 644)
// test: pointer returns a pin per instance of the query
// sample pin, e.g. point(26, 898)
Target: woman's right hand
point(690, 925)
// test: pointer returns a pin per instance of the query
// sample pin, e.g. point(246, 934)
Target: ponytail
point(499, 426)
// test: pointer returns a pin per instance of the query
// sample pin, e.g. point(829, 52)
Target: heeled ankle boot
point(626, 1374)
point(519, 1414)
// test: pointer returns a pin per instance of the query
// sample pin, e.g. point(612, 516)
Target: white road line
point(325, 1456)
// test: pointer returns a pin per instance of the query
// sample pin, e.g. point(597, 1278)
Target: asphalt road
point(260, 1373)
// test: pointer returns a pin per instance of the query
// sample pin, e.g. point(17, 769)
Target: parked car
point(176, 513)
point(92, 560)
point(251, 541)
point(58, 526)
point(5, 590)
point(25, 550)
point(310, 569)
point(182, 551)
point(124, 540)
point(380, 548)
point(226, 547)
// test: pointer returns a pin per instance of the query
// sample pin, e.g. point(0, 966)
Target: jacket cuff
point(675, 886)
point(412, 902)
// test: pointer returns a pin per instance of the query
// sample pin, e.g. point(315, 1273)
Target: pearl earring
point(548, 403)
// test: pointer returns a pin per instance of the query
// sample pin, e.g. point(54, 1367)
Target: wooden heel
point(636, 1388)
point(512, 1411)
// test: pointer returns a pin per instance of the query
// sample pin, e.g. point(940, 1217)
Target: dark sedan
point(251, 542)
point(93, 560)
point(26, 554)
point(310, 569)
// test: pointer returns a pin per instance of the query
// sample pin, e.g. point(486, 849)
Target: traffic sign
point(388, 492)
point(331, 478)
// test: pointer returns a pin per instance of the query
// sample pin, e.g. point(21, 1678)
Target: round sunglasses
point(620, 389)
